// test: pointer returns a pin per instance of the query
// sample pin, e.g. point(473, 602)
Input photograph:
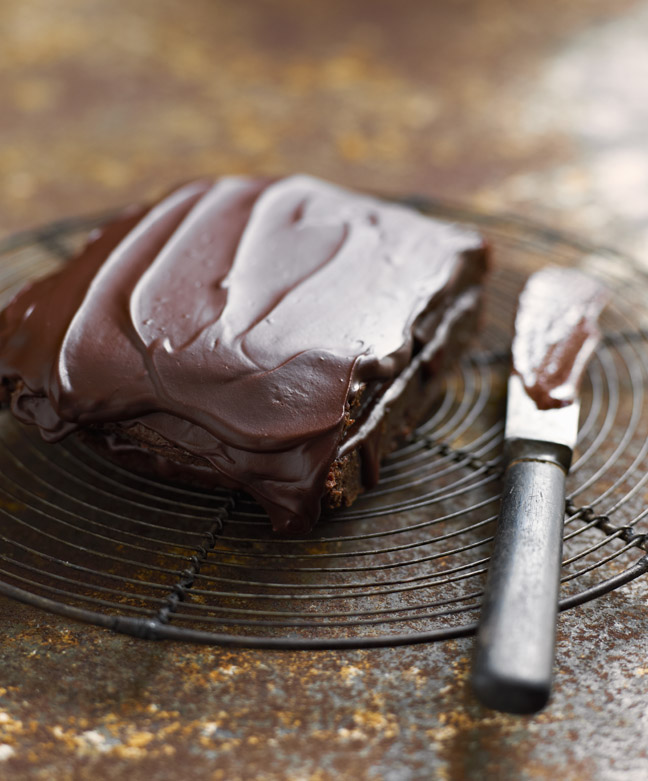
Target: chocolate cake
point(273, 336)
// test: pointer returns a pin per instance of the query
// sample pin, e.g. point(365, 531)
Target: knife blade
point(556, 333)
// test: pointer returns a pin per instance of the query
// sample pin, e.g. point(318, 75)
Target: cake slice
point(273, 336)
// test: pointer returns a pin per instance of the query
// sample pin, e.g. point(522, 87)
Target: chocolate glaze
point(556, 333)
point(232, 318)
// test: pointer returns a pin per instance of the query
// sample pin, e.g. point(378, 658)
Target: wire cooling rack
point(406, 564)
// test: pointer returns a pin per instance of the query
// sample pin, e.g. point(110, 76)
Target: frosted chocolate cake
point(273, 336)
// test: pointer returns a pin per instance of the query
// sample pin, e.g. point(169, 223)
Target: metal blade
point(525, 421)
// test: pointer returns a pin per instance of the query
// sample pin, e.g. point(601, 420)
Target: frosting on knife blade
point(556, 333)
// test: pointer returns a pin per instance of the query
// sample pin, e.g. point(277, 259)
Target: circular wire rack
point(405, 564)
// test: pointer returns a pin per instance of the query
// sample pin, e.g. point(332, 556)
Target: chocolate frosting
point(233, 318)
point(556, 333)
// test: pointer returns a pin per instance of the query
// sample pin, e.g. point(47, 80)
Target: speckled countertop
point(536, 108)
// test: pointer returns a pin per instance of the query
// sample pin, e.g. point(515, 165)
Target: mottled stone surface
point(537, 108)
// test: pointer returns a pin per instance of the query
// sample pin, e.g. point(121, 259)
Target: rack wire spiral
point(405, 564)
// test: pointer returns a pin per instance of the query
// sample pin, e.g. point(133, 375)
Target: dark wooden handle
point(516, 639)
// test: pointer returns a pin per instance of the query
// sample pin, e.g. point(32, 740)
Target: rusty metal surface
point(523, 107)
point(103, 102)
point(81, 703)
